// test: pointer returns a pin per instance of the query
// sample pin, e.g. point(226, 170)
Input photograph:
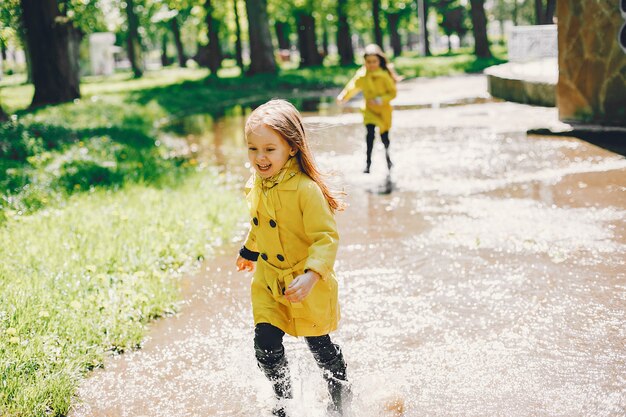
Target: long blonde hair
point(283, 118)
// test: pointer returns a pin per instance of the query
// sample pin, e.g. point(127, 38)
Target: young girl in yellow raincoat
point(377, 80)
point(293, 239)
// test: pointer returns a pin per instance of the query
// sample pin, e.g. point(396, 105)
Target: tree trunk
point(261, 50)
point(214, 52)
point(515, 13)
point(538, 11)
point(324, 39)
point(3, 116)
point(307, 40)
point(344, 42)
point(540, 15)
point(133, 42)
point(282, 34)
point(238, 48)
point(3, 50)
point(479, 27)
point(49, 40)
point(393, 19)
point(175, 26)
point(378, 33)
point(422, 11)
point(29, 66)
point(550, 8)
point(164, 59)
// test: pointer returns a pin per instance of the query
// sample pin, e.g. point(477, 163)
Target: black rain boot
point(385, 139)
point(275, 367)
point(369, 140)
point(389, 163)
point(337, 382)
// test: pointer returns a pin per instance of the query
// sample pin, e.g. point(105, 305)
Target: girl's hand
point(374, 106)
point(244, 265)
point(340, 100)
point(301, 286)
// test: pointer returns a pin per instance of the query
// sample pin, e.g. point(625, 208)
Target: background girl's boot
point(384, 137)
point(368, 161)
point(369, 142)
point(389, 163)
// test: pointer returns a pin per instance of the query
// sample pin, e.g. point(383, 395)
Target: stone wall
point(592, 65)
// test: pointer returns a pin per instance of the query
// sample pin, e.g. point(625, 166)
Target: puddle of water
point(491, 280)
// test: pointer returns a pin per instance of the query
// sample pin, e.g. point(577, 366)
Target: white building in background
point(101, 49)
point(527, 43)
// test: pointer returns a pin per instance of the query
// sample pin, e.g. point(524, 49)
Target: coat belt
point(277, 280)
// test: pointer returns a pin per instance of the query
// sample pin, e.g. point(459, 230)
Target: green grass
point(458, 62)
point(83, 280)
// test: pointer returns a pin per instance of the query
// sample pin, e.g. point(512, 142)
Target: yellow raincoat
point(294, 230)
point(376, 84)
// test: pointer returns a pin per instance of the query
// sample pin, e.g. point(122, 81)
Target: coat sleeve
point(353, 86)
point(321, 228)
point(250, 243)
point(391, 91)
point(250, 249)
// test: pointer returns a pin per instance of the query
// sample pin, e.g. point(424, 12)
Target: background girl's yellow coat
point(376, 84)
point(293, 231)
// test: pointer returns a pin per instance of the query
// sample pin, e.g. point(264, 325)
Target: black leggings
point(268, 343)
point(371, 132)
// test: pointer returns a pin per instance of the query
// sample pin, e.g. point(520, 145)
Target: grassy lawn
point(98, 220)
point(81, 281)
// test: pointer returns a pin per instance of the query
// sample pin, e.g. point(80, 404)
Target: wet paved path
point(490, 281)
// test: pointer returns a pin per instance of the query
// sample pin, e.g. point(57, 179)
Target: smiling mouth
point(264, 168)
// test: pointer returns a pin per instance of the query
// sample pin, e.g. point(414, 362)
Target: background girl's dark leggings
point(270, 355)
point(371, 133)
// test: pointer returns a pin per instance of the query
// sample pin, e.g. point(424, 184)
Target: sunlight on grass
point(83, 280)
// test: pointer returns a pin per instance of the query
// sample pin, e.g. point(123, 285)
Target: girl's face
point(267, 151)
point(372, 62)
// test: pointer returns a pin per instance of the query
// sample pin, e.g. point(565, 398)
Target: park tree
point(521, 12)
point(378, 33)
point(3, 116)
point(544, 11)
point(344, 40)
point(451, 19)
point(325, 38)
point(174, 24)
point(283, 30)
point(210, 55)
point(169, 17)
point(238, 48)
point(261, 49)
point(503, 10)
point(10, 27)
point(54, 64)
point(133, 40)
point(393, 23)
point(479, 28)
point(422, 12)
point(307, 36)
